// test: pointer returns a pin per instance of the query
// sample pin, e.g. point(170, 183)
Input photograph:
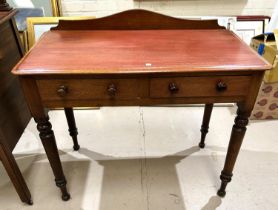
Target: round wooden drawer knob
point(173, 88)
point(62, 91)
point(112, 89)
point(221, 86)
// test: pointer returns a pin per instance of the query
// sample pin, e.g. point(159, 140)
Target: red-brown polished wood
point(134, 51)
point(136, 19)
point(140, 58)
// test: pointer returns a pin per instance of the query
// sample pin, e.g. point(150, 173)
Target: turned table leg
point(205, 124)
point(49, 143)
point(236, 139)
point(46, 133)
point(15, 175)
point(72, 127)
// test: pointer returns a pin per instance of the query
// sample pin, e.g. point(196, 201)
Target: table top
point(139, 51)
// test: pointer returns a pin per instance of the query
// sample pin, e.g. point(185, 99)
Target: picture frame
point(36, 26)
point(56, 8)
point(49, 7)
point(250, 26)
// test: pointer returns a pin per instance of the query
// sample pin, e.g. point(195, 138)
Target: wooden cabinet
point(14, 113)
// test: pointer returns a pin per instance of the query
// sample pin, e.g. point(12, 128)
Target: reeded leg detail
point(49, 143)
point(205, 124)
point(236, 139)
point(72, 127)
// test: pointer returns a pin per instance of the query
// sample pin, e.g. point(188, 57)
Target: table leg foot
point(221, 193)
point(76, 147)
point(225, 179)
point(30, 202)
point(202, 145)
point(66, 197)
point(72, 127)
point(62, 185)
point(205, 124)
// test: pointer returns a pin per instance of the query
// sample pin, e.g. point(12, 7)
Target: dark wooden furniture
point(14, 113)
point(4, 6)
point(140, 58)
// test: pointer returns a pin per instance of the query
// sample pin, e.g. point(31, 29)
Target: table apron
point(65, 92)
point(141, 102)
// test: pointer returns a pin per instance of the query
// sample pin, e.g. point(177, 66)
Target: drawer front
point(88, 89)
point(199, 86)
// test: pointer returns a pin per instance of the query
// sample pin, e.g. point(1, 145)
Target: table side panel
point(14, 113)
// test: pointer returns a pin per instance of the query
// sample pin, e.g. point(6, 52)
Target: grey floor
point(146, 158)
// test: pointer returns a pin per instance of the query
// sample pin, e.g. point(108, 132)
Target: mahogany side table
point(140, 58)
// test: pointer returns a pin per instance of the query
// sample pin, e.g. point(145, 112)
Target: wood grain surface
point(144, 51)
point(137, 19)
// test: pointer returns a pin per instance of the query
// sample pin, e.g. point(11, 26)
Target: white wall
point(175, 7)
point(274, 19)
